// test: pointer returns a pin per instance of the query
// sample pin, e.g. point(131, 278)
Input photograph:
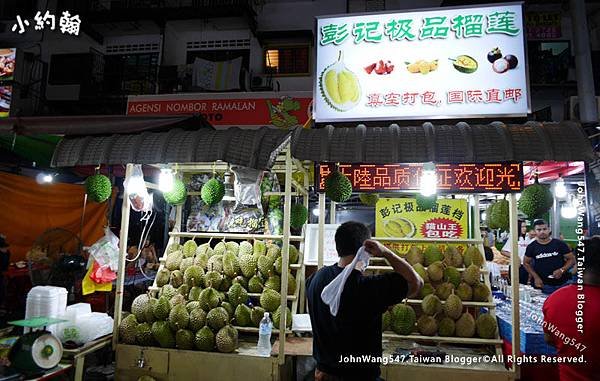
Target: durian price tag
point(438, 63)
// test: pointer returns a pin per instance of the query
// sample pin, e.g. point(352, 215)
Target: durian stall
point(465, 342)
point(215, 153)
point(195, 322)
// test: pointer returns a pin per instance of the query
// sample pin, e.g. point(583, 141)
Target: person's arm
point(569, 261)
point(528, 264)
point(507, 248)
point(400, 266)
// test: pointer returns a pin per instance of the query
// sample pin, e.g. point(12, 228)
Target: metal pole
point(122, 254)
point(332, 210)
point(515, 262)
point(588, 112)
point(321, 245)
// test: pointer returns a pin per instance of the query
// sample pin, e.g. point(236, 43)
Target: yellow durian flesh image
point(339, 86)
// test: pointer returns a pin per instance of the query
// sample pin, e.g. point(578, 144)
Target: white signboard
point(311, 248)
point(427, 64)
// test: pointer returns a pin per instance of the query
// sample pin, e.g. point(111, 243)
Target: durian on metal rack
point(284, 165)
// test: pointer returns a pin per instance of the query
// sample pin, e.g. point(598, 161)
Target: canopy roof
point(460, 143)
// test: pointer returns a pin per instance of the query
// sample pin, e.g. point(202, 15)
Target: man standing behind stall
point(547, 259)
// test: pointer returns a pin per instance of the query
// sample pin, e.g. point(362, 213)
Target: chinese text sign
point(442, 63)
point(402, 218)
point(487, 177)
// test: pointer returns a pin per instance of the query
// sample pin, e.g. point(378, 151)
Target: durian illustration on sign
point(340, 87)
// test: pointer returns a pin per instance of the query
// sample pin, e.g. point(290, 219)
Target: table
point(77, 355)
point(56, 371)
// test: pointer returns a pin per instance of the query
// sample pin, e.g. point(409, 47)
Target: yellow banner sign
point(401, 218)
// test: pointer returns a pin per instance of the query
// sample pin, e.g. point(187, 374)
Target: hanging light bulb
point(315, 212)
point(568, 210)
point(428, 180)
point(560, 190)
point(483, 216)
point(165, 180)
point(136, 185)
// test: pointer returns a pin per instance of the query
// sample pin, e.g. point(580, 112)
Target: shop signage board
point(7, 70)
point(543, 25)
point(402, 218)
point(486, 177)
point(282, 110)
point(425, 64)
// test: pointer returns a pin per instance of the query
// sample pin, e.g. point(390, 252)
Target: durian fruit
point(193, 304)
point(265, 265)
point(219, 249)
point(481, 292)
point(255, 285)
point(339, 87)
point(464, 292)
point(162, 308)
point(270, 299)
point(426, 290)
point(245, 248)
point(436, 271)
point(446, 327)
point(465, 326)
point(197, 319)
point(143, 335)
point(189, 248)
point(232, 247)
point(259, 248)
point(184, 290)
point(162, 334)
point(337, 187)
point(174, 260)
point(386, 319)
point(242, 315)
point(452, 275)
point(212, 279)
point(444, 290)
point(209, 299)
point(431, 305)
point(184, 339)
point(433, 254)
point(403, 319)
point(535, 200)
point(369, 199)
point(176, 299)
point(186, 263)
point(291, 284)
point(499, 217)
point(212, 192)
point(273, 252)
point(177, 195)
point(452, 257)
point(471, 275)
point(162, 277)
point(256, 315)
point(294, 254)
point(215, 263)
point(149, 311)
point(415, 255)
point(193, 276)
point(426, 202)
point(167, 291)
point(205, 339)
point(176, 278)
point(427, 325)
point(127, 329)
point(98, 188)
point(298, 216)
point(273, 282)
point(138, 307)
point(277, 317)
point(217, 318)
point(486, 326)
point(241, 280)
point(226, 339)
point(204, 249)
point(231, 265)
point(228, 307)
point(488, 213)
point(237, 295)
point(473, 257)
point(453, 307)
point(419, 269)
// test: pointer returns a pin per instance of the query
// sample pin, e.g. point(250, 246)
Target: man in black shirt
point(547, 259)
point(348, 346)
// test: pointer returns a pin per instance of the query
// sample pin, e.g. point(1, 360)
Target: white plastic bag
point(332, 293)
point(106, 250)
point(140, 199)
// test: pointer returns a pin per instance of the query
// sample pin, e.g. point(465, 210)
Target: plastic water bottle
point(264, 336)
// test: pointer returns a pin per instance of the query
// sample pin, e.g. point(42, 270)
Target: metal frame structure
point(284, 164)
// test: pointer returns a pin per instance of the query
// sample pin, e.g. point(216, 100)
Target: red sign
point(221, 110)
point(441, 228)
point(488, 177)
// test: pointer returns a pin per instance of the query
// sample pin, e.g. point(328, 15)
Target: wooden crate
point(174, 364)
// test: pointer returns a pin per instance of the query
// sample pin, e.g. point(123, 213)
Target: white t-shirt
point(523, 243)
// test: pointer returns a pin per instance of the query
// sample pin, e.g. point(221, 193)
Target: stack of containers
point(46, 301)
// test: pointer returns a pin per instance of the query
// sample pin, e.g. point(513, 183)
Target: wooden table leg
point(79, 362)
